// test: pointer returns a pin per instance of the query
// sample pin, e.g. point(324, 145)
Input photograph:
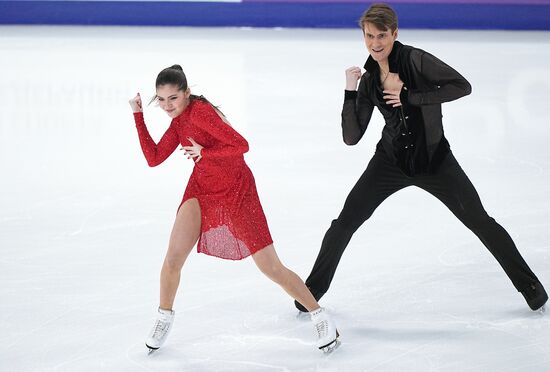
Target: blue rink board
point(271, 14)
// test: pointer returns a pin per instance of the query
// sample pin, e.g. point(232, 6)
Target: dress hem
point(231, 258)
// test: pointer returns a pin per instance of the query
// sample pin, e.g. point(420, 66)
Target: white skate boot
point(328, 336)
point(160, 330)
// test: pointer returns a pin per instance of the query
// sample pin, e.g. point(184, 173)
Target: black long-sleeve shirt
point(413, 135)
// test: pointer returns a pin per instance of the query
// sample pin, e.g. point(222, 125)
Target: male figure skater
point(408, 86)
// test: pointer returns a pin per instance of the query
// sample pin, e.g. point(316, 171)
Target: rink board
point(431, 14)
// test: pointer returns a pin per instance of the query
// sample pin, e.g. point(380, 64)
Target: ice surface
point(84, 222)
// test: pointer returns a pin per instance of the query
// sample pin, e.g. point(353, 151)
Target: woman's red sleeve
point(155, 153)
point(232, 143)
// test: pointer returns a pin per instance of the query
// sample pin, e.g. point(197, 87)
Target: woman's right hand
point(135, 103)
point(353, 74)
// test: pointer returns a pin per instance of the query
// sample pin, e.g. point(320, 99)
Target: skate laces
point(160, 328)
point(322, 328)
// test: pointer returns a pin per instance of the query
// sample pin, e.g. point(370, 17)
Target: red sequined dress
point(233, 224)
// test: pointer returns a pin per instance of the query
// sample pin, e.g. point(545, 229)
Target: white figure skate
point(160, 330)
point(328, 336)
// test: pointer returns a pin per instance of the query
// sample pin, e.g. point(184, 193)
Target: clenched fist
point(135, 103)
point(353, 74)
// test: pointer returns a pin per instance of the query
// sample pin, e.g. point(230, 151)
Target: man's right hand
point(353, 74)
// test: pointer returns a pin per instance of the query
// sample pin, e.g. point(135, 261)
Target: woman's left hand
point(193, 151)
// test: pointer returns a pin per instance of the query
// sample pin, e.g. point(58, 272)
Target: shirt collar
point(371, 65)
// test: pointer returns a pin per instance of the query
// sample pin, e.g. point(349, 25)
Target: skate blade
point(151, 350)
point(541, 309)
point(330, 348)
point(327, 349)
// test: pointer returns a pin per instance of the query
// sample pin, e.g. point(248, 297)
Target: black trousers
point(449, 184)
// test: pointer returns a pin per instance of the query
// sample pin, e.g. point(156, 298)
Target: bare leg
point(183, 238)
point(268, 262)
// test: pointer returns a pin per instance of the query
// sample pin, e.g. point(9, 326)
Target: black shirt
point(413, 135)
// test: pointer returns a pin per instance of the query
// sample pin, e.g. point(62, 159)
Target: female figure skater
point(220, 207)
